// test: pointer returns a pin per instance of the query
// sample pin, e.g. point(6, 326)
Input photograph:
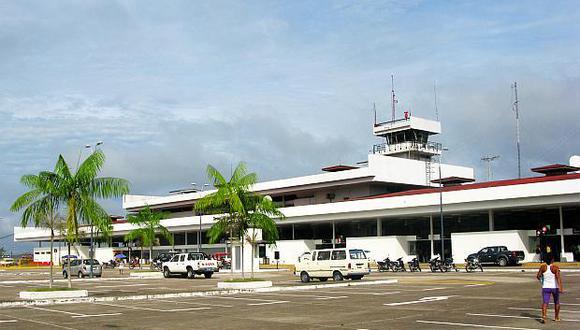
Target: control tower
point(408, 138)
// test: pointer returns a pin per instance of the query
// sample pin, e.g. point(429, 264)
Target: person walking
point(549, 276)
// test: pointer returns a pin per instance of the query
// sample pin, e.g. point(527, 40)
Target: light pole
point(441, 207)
point(199, 232)
point(91, 250)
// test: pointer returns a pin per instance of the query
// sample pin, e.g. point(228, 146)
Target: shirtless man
point(549, 276)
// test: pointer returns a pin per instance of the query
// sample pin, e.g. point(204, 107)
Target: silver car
point(82, 268)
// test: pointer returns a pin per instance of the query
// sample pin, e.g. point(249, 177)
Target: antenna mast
point(375, 110)
point(393, 98)
point(435, 93)
point(489, 159)
point(517, 111)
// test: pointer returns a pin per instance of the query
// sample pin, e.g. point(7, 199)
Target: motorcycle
point(435, 265)
point(385, 265)
point(414, 265)
point(448, 265)
point(471, 264)
point(398, 266)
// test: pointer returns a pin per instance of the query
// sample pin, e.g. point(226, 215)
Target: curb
point(187, 294)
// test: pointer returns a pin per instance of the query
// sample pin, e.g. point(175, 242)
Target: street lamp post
point(199, 232)
point(91, 250)
point(442, 236)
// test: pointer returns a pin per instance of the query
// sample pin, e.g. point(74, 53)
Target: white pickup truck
point(190, 264)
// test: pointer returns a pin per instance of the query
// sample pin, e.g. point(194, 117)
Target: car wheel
point(323, 279)
point(207, 275)
point(190, 273)
point(81, 275)
point(304, 277)
point(468, 269)
point(502, 262)
point(64, 274)
point(337, 276)
point(166, 273)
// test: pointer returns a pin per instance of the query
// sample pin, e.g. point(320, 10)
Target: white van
point(337, 264)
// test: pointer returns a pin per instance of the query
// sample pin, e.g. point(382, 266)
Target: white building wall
point(289, 250)
point(43, 254)
point(381, 247)
point(464, 244)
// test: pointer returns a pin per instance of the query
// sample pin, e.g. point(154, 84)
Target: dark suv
point(499, 255)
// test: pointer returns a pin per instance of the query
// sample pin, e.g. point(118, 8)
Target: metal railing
point(429, 147)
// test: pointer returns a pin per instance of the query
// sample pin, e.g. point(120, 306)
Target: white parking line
point(269, 303)
point(118, 286)
point(317, 297)
point(422, 300)
point(472, 325)
point(516, 317)
point(538, 309)
point(194, 303)
point(474, 285)
point(431, 289)
point(367, 293)
point(242, 298)
point(8, 321)
point(54, 310)
point(96, 315)
point(155, 309)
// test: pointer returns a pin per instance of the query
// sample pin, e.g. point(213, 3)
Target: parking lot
point(440, 301)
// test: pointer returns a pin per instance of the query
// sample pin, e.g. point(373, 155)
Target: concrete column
point(491, 223)
point(561, 231)
point(185, 237)
point(333, 235)
point(379, 227)
point(293, 235)
point(431, 236)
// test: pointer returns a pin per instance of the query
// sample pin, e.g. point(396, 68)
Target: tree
point(79, 192)
point(2, 251)
point(239, 208)
point(40, 206)
point(149, 224)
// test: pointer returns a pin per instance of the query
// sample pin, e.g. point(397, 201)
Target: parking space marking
point(422, 300)
point(120, 285)
point(40, 322)
point(317, 297)
point(194, 303)
point(96, 315)
point(538, 309)
point(473, 325)
point(474, 285)
point(516, 317)
point(155, 310)
point(242, 298)
point(8, 321)
point(269, 303)
point(431, 289)
point(53, 310)
point(366, 293)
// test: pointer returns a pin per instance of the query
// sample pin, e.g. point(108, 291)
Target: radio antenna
point(435, 95)
point(517, 111)
point(393, 98)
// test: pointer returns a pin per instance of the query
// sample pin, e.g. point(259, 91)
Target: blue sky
point(287, 87)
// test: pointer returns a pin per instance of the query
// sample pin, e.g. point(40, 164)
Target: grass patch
point(239, 280)
point(50, 289)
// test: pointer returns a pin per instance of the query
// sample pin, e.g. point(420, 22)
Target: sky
point(287, 87)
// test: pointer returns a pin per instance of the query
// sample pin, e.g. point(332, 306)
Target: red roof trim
point(482, 185)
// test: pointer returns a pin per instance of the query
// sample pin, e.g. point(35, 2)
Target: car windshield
point(357, 254)
point(88, 262)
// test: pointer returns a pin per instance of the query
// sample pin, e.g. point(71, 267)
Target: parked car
point(82, 268)
point(190, 264)
point(5, 262)
point(498, 255)
point(337, 264)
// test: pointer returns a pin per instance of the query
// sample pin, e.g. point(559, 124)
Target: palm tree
point(240, 208)
point(148, 223)
point(79, 191)
point(40, 206)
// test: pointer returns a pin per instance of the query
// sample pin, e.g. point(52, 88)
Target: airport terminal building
point(389, 205)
